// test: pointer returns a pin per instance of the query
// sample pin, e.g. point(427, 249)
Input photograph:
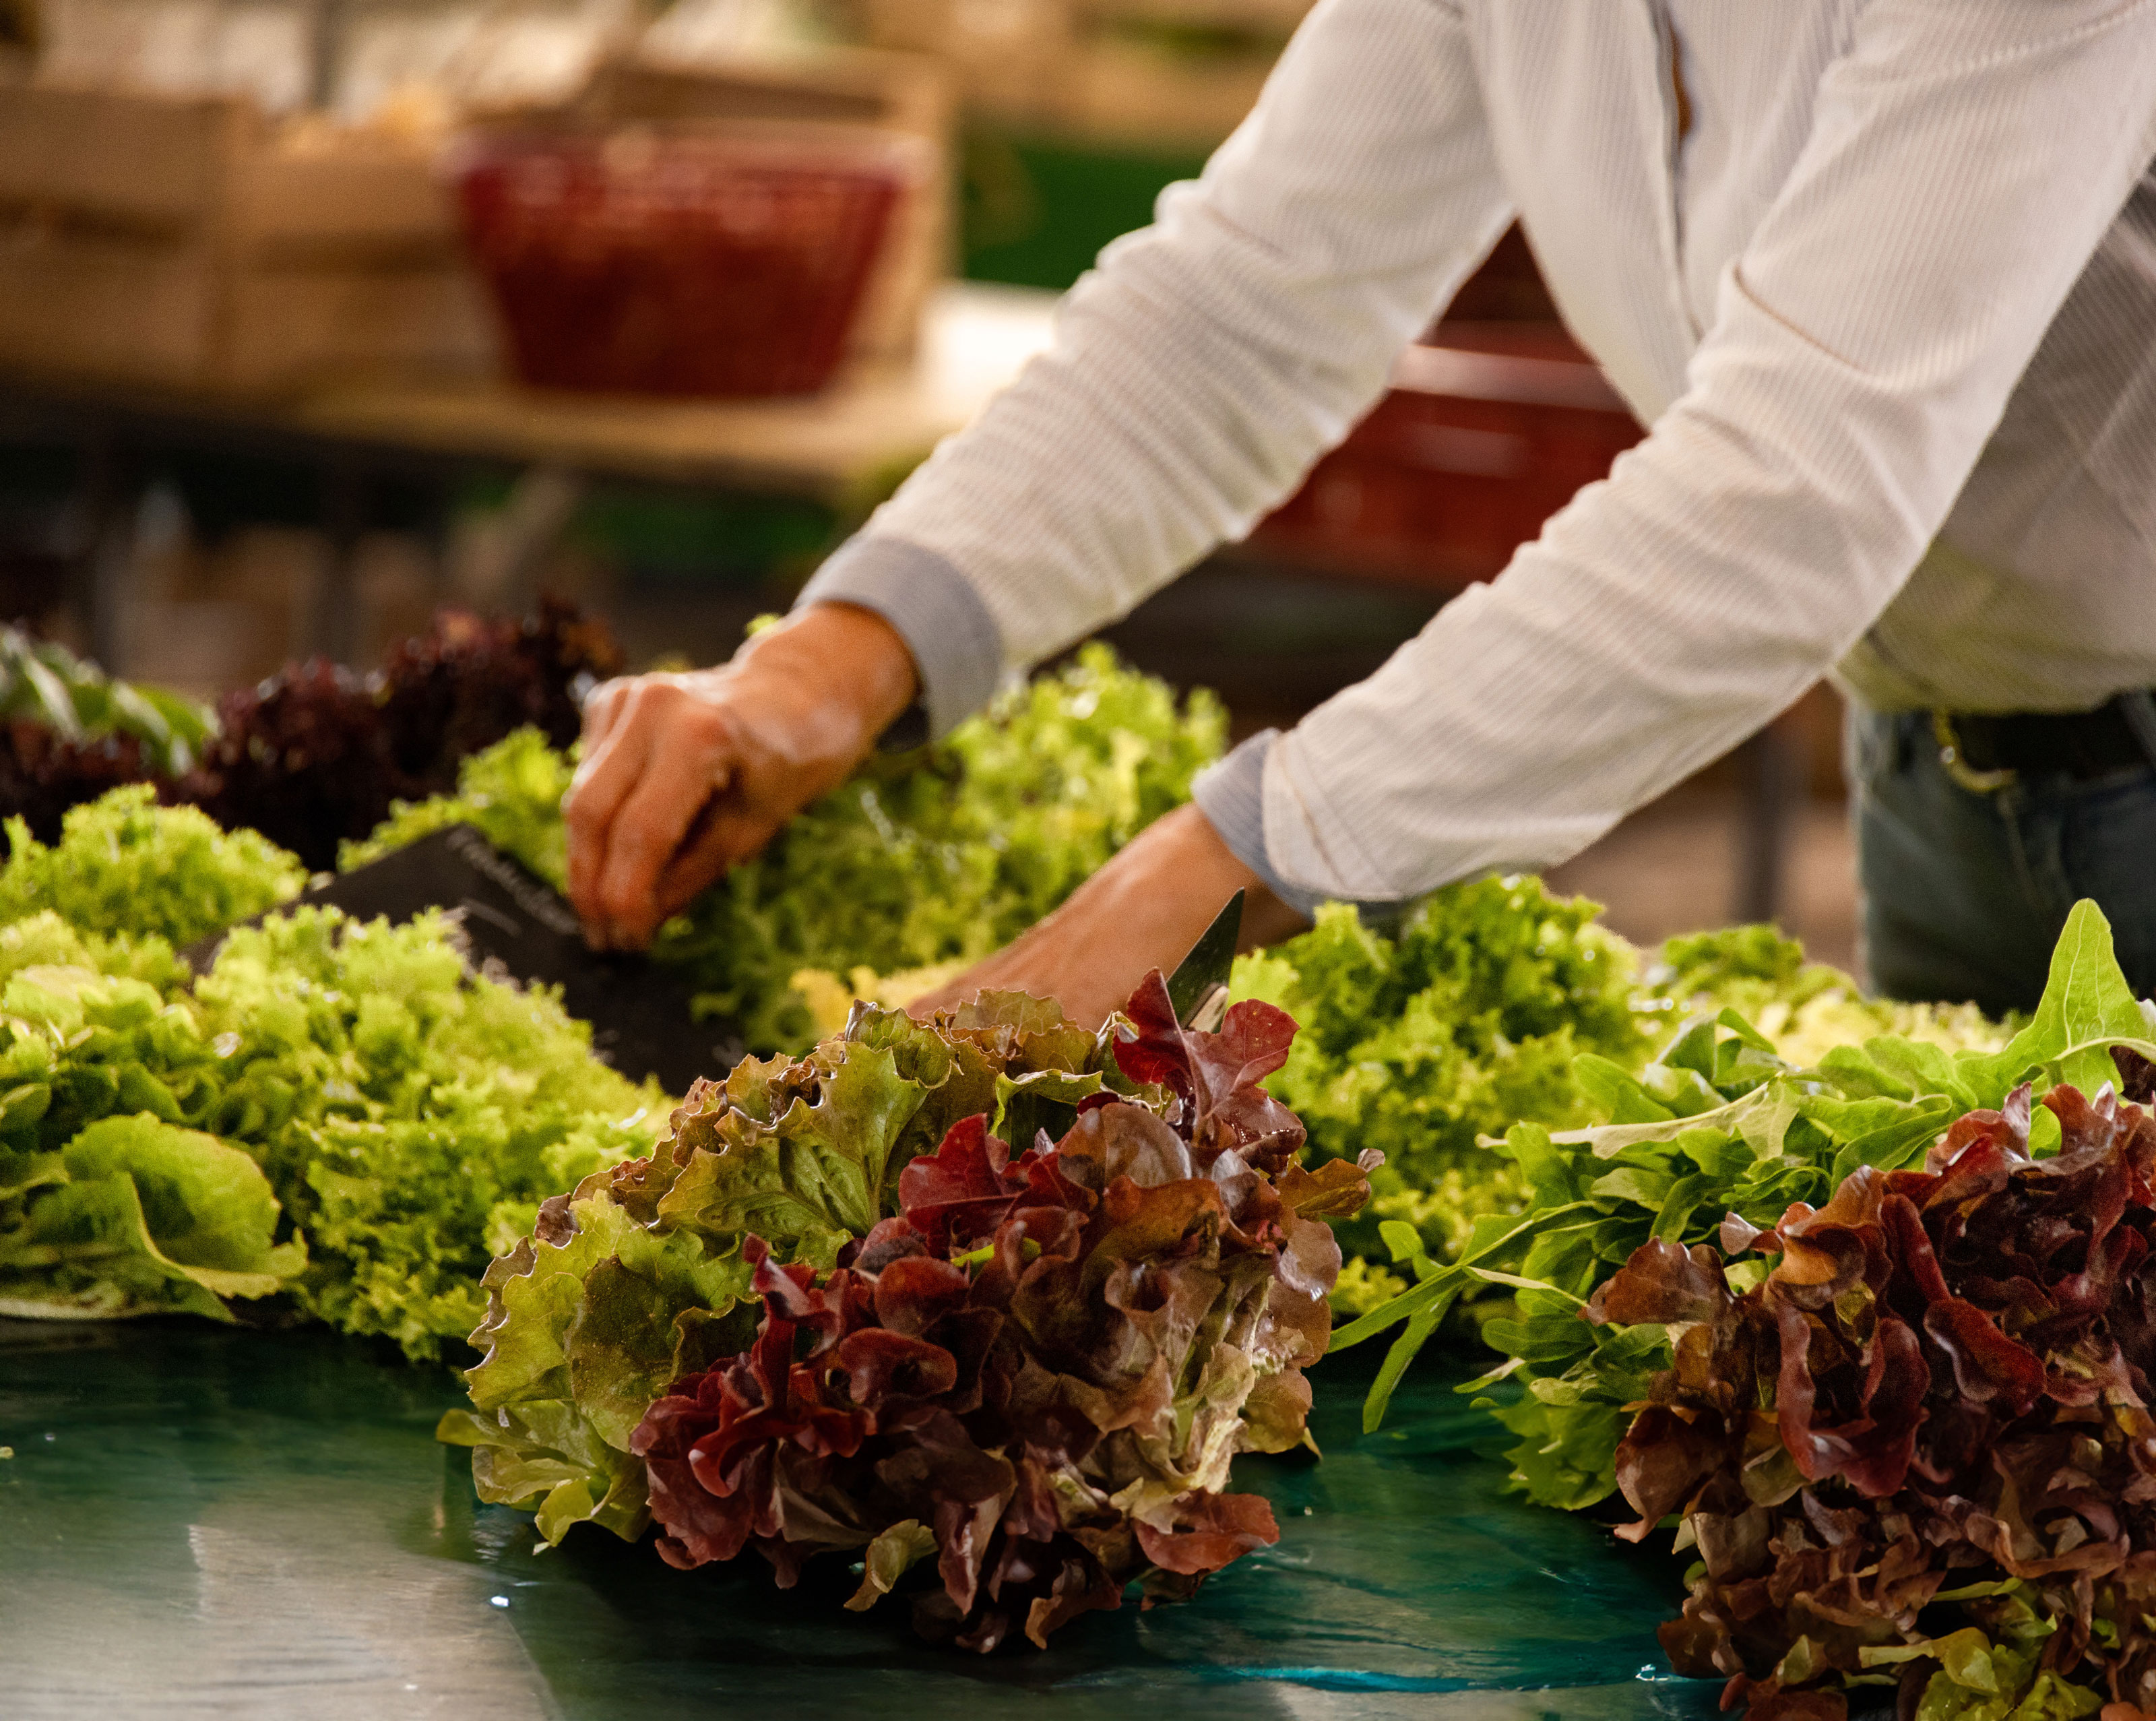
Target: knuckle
point(584, 818)
point(708, 715)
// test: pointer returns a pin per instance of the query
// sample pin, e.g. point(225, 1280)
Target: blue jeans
point(1965, 893)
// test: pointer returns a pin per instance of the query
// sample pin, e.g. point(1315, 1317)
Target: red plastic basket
point(696, 264)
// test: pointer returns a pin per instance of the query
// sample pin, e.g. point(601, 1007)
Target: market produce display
point(834, 1312)
point(1419, 1040)
point(1872, 1427)
point(336, 1113)
point(1856, 1292)
point(71, 732)
point(929, 857)
point(411, 1116)
point(1467, 1017)
point(313, 756)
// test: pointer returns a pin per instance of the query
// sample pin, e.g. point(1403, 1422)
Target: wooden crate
point(187, 241)
point(1128, 95)
point(905, 93)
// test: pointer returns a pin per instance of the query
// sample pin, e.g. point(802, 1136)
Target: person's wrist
point(848, 657)
point(1202, 852)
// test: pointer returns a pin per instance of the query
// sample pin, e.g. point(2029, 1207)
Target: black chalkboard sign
point(516, 924)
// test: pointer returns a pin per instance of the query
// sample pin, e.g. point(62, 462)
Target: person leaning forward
point(1879, 274)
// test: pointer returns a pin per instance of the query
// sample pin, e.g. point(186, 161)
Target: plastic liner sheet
point(208, 1522)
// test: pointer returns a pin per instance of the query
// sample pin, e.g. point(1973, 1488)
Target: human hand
point(1143, 910)
point(685, 775)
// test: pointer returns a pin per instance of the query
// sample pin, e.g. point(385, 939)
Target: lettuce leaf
point(138, 1216)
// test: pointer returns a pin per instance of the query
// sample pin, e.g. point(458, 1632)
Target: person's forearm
point(1213, 357)
point(1144, 910)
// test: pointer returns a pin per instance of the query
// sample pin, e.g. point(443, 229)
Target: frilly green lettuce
point(1418, 1041)
point(125, 865)
point(405, 1111)
point(402, 1112)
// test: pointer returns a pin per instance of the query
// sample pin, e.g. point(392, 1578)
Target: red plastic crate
point(699, 264)
point(1487, 432)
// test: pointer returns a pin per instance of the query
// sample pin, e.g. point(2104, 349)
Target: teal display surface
point(202, 1521)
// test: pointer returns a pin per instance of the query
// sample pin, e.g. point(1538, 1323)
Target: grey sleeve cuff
point(957, 646)
point(1231, 794)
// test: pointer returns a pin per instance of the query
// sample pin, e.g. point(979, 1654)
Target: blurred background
point(316, 315)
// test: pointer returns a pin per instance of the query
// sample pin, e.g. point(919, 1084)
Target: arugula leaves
point(47, 685)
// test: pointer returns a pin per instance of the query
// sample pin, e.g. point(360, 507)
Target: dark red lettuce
point(314, 757)
point(1039, 1371)
point(1215, 1077)
point(1942, 1382)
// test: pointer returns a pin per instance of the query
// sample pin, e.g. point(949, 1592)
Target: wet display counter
point(199, 1522)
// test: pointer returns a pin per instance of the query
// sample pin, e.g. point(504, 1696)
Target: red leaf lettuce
point(1919, 1447)
point(1035, 1368)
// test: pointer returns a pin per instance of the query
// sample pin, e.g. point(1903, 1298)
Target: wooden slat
point(133, 160)
point(823, 446)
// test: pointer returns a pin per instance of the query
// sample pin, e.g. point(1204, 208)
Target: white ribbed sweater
point(1888, 306)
